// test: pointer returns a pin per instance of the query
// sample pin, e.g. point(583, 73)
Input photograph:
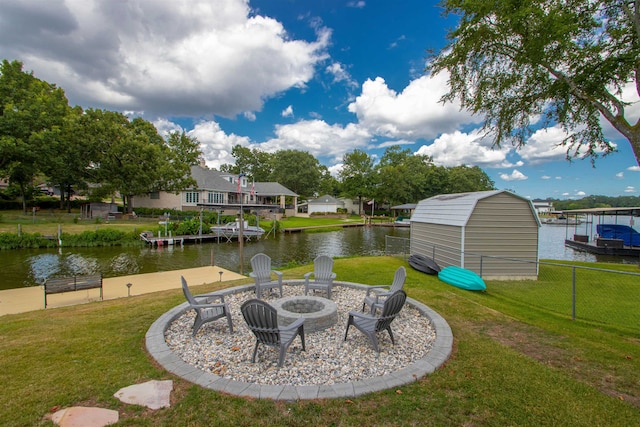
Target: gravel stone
point(328, 359)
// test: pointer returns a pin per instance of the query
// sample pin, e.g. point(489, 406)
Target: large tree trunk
point(24, 199)
point(69, 198)
point(61, 196)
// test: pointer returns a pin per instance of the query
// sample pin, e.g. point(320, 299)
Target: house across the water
point(221, 191)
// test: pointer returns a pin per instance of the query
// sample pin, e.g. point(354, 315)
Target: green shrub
point(25, 241)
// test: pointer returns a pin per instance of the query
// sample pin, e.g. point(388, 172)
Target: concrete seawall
point(32, 298)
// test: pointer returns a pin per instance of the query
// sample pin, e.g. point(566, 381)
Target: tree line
point(399, 177)
point(45, 140)
point(43, 137)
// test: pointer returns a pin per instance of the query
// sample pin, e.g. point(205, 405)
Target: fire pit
point(319, 313)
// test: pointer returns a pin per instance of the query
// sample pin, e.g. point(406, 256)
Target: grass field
point(512, 364)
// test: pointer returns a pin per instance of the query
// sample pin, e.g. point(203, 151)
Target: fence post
point(573, 293)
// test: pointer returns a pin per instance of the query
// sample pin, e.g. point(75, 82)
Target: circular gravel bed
point(328, 359)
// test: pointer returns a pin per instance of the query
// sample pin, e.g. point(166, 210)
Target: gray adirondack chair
point(261, 266)
point(322, 276)
point(370, 325)
point(262, 319)
point(376, 295)
point(206, 310)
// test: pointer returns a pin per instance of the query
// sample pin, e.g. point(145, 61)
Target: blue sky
point(325, 77)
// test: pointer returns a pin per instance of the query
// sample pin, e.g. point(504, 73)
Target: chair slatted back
point(262, 319)
point(398, 280)
point(392, 306)
point(261, 266)
point(187, 292)
point(323, 269)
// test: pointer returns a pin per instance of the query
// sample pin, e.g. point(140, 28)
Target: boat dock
point(606, 240)
point(181, 240)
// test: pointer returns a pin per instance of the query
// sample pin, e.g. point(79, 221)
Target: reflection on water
point(31, 267)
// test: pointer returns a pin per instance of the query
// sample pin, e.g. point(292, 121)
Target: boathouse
point(493, 233)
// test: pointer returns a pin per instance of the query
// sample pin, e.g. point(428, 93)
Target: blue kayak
point(462, 278)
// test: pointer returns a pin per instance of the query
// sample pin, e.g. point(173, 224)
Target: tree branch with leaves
point(530, 64)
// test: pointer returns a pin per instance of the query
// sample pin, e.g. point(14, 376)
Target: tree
point(132, 158)
point(297, 170)
point(463, 179)
point(66, 160)
point(254, 163)
point(31, 113)
point(402, 176)
point(565, 61)
point(357, 176)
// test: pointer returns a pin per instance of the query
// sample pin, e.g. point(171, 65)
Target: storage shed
point(493, 233)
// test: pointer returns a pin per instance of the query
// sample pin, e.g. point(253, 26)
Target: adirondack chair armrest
point(209, 297)
point(291, 326)
point(361, 315)
point(333, 276)
point(206, 305)
point(377, 290)
point(307, 276)
point(278, 275)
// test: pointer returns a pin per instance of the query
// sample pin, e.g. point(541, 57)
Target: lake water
point(31, 267)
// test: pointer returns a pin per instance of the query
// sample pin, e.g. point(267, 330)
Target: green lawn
point(512, 364)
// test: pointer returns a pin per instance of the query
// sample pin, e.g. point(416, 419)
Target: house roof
point(213, 180)
point(454, 209)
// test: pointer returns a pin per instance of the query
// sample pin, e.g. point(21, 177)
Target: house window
point(192, 197)
point(154, 195)
point(217, 198)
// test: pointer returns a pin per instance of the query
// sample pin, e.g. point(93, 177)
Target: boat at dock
point(610, 238)
point(231, 231)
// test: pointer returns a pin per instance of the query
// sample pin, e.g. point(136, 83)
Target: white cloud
point(178, 57)
point(457, 148)
point(545, 146)
point(287, 112)
point(634, 168)
point(357, 4)
point(339, 74)
point(215, 144)
point(318, 138)
point(580, 193)
point(414, 113)
point(620, 175)
point(630, 189)
point(545, 177)
point(516, 175)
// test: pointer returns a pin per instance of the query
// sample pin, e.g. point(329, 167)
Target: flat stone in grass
point(79, 416)
point(152, 394)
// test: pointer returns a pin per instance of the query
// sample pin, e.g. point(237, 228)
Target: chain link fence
point(588, 293)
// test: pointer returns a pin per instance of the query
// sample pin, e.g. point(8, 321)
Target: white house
point(325, 204)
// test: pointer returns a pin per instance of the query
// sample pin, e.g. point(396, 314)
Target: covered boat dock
point(600, 230)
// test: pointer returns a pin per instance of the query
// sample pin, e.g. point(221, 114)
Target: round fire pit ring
point(319, 313)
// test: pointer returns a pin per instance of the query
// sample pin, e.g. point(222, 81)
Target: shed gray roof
point(453, 209)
